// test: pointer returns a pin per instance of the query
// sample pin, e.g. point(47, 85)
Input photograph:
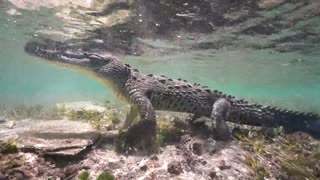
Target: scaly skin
point(147, 93)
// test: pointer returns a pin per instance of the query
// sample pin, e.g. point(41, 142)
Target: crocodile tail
point(258, 115)
point(299, 121)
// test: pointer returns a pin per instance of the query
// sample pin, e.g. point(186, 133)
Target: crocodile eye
point(93, 57)
point(98, 60)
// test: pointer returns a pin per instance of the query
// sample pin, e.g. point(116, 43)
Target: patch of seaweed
point(8, 146)
point(291, 156)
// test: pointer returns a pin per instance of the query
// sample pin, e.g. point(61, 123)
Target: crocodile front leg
point(131, 116)
point(219, 114)
point(145, 129)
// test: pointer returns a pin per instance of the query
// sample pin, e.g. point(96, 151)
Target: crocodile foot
point(141, 133)
point(223, 134)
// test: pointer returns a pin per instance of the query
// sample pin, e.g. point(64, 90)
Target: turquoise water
point(262, 76)
point(27, 80)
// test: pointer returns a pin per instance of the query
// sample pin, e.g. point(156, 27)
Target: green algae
point(105, 176)
point(84, 175)
point(98, 119)
point(8, 146)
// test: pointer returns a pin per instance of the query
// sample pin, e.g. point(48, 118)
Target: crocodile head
point(61, 54)
point(102, 66)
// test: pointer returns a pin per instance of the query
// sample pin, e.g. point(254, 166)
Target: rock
point(58, 137)
point(175, 168)
point(11, 129)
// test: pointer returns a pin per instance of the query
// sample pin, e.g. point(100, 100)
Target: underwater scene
point(159, 89)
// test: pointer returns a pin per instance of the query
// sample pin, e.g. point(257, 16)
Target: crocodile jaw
point(59, 55)
point(56, 52)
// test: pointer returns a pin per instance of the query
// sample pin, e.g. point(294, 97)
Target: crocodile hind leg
point(145, 128)
point(219, 114)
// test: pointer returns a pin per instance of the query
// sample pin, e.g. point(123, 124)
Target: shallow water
point(27, 80)
point(264, 76)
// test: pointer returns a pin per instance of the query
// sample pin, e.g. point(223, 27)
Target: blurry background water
point(267, 53)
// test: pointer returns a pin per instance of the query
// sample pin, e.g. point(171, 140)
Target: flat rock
point(10, 129)
point(58, 137)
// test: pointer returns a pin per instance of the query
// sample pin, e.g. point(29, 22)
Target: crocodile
point(148, 93)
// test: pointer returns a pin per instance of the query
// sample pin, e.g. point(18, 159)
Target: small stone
point(41, 161)
point(69, 170)
point(185, 138)
point(115, 165)
point(18, 176)
point(85, 167)
point(39, 171)
point(52, 165)
point(144, 167)
point(154, 157)
point(211, 146)
point(61, 175)
point(203, 162)
point(109, 127)
point(223, 165)
point(212, 174)
point(197, 148)
point(175, 168)
point(2, 176)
